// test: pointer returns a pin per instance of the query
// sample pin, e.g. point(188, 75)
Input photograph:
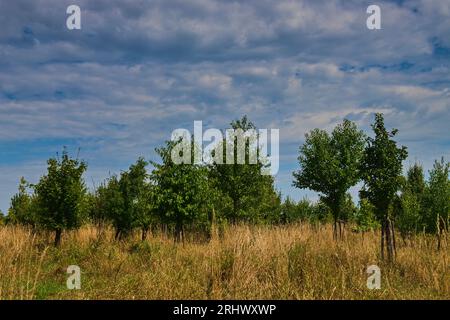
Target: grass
point(249, 262)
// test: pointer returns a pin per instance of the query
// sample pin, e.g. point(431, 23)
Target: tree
point(146, 209)
point(330, 165)
point(181, 191)
point(381, 167)
point(110, 205)
point(122, 199)
point(60, 194)
point(21, 210)
point(410, 205)
point(242, 183)
point(365, 217)
point(438, 200)
point(295, 212)
point(2, 218)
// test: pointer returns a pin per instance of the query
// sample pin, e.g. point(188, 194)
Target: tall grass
point(248, 262)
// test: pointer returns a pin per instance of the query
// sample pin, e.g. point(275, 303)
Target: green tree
point(295, 212)
point(365, 217)
point(2, 218)
point(330, 165)
point(288, 211)
point(110, 206)
point(122, 199)
point(59, 195)
point(382, 167)
point(438, 200)
point(182, 191)
point(147, 210)
point(21, 210)
point(242, 184)
point(410, 205)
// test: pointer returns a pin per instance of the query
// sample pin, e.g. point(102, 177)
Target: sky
point(137, 70)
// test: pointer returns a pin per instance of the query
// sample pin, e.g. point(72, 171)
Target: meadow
point(297, 261)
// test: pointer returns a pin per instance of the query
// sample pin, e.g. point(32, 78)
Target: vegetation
point(60, 195)
point(235, 224)
point(381, 169)
point(295, 261)
point(330, 165)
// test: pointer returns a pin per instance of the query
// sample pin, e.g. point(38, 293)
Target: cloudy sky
point(139, 69)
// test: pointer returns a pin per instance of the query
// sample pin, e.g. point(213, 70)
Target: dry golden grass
point(286, 262)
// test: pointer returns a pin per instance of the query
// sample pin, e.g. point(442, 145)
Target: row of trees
point(332, 163)
point(181, 197)
point(173, 196)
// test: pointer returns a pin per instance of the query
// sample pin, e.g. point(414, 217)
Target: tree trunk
point(58, 233)
point(236, 206)
point(335, 230)
point(383, 229)
point(388, 239)
point(393, 238)
point(178, 232)
point(438, 233)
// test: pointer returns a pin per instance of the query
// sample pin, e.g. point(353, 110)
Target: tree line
point(191, 198)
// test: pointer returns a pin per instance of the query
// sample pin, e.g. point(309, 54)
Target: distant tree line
point(191, 198)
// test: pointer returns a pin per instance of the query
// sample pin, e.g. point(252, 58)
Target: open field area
point(249, 262)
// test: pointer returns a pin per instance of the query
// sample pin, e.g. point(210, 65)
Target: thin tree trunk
point(438, 225)
point(383, 228)
point(335, 230)
point(178, 232)
point(393, 238)
point(389, 241)
point(58, 233)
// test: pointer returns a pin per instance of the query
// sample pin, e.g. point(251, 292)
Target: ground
point(250, 262)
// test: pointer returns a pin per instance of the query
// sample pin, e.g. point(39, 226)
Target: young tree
point(2, 218)
point(410, 205)
point(110, 206)
point(330, 165)
point(438, 200)
point(365, 216)
point(182, 191)
point(59, 195)
point(242, 183)
point(294, 212)
point(21, 210)
point(146, 209)
point(381, 168)
point(123, 198)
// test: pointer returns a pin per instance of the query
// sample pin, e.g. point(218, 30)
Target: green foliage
point(381, 168)
point(109, 204)
point(437, 198)
point(244, 190)
point(192, 197)
point(303, 210)
point(410, 206)
point(133, 187)
point(23, 209)
point(60, 193)
point(182, 191)
point(364, 216)
point(330, 164)
point(124, 200)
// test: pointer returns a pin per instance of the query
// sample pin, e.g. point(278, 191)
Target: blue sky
point(139, 69)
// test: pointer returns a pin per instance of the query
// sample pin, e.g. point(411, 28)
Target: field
point(248, 262)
